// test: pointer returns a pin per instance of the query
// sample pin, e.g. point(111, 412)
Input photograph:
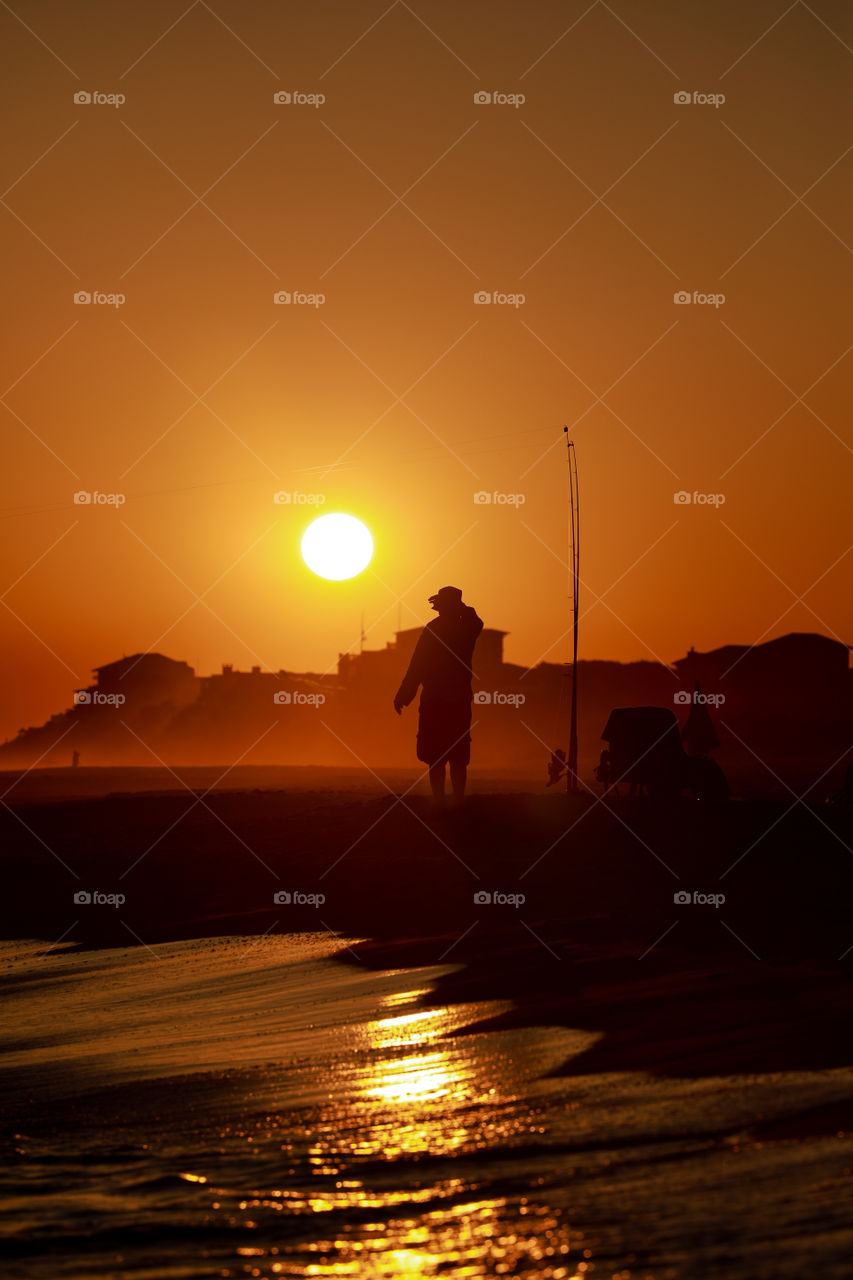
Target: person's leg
point(459, 757)
point(458, 776)
point(436, 782)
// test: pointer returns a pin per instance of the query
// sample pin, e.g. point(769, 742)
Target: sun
point(337, 546)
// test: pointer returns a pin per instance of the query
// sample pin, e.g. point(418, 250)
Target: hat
point(447, 595)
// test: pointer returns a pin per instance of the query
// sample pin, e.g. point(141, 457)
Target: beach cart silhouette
point(645, 751)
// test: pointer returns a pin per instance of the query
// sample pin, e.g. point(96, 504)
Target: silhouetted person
point(706, 779)
point(604, 773)
point(441, 664)
point(75, 759)
point(699, 733)
point(557, 767)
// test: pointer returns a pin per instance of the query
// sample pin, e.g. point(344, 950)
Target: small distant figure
point(75, 759)
point(699, 734)
point(604, 773)
point(558, 768)
point(706, 779)
point(441, 666)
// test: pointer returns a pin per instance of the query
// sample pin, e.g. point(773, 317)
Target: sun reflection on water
point(372, 1193)
point(427, 1076)
point(479, 1237)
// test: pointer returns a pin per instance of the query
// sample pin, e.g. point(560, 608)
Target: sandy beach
point(277, 1112)
point(402, 1080)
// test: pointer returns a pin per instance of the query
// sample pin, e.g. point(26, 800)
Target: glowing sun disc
point(337, 546)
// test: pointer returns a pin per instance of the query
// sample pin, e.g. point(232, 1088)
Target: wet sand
point(402, 1080)
point(246, 1107)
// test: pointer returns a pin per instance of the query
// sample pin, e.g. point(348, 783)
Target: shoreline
point(315, 1111)
point(582, 926)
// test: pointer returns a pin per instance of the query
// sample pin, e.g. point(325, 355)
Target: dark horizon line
point(356, 653)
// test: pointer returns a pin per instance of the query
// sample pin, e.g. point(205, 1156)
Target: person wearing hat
point(441, 667)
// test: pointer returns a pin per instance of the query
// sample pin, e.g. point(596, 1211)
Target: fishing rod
point(572, 782)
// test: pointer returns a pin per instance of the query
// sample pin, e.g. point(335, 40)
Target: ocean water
point(254, 1107)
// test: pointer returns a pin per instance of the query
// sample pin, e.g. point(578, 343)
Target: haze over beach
point(426, 740)
point(399, 397)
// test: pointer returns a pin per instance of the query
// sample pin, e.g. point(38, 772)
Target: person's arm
point(472, 619)
point(413, 677)
point(471, 622)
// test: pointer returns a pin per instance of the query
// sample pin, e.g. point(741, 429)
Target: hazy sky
point(581, 211)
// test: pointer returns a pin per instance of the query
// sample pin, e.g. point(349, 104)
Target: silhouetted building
point(802, 677)
point(147, 679)
point(787, 700)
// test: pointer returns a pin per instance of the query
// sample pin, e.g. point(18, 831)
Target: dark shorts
point(443, 731)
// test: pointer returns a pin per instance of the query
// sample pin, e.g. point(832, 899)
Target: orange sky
point(399, 198)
